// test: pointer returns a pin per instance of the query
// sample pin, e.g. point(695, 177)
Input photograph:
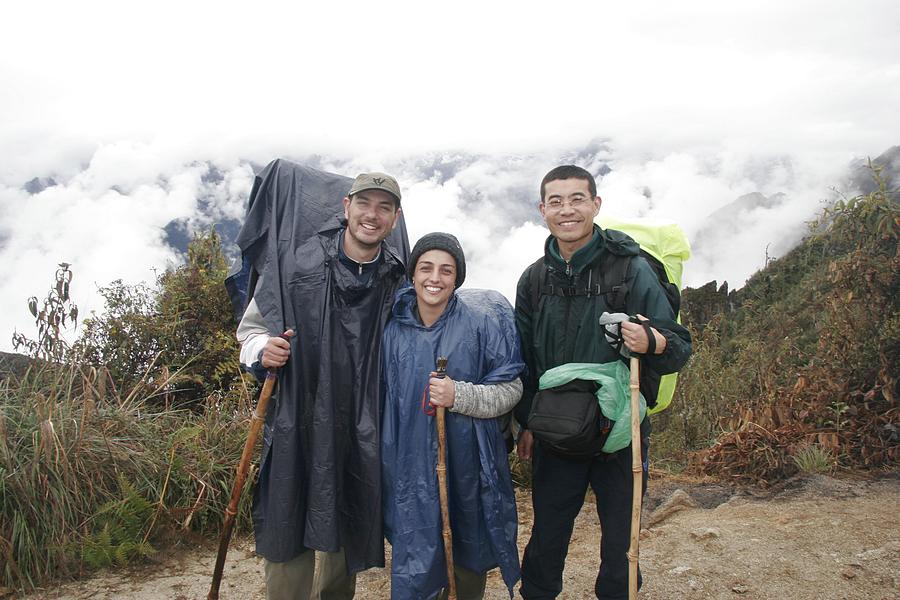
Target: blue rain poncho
point(478, 336)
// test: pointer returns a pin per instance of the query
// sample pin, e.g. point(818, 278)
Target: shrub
point(810, 355)
point(89, 475)
point(183, 325)
point(814, 459)
point(56, 313)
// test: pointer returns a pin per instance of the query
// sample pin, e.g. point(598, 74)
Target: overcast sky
point(690, 104)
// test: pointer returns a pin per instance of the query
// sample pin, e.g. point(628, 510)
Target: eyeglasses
point(558, 203)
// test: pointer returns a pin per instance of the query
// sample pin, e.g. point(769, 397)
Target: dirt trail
point(817, 538)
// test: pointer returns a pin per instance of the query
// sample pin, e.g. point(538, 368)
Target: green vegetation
point(51, 318)
point(814, 459)
point(89, 476)
point(133, 437)
point(806, 356)
point(185, 325)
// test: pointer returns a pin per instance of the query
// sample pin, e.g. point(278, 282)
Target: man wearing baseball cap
point(319, 479)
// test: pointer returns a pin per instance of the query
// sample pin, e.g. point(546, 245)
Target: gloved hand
point(641, 336)
point(612, 328)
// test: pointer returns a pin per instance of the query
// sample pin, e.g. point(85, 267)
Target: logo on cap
point(378, 180)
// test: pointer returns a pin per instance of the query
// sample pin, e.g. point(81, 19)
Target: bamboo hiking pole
point(259, 416)
point(637, 477)
point(441, 370)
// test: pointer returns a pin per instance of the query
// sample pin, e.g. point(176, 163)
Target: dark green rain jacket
point(564, 329)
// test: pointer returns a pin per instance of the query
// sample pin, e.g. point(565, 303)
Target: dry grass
point(89, 476)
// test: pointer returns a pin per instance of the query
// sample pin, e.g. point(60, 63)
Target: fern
point(118, 530)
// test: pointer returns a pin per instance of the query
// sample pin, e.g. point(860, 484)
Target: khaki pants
point(300, 579)
point(469, 584)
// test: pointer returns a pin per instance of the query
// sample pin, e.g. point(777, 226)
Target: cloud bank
point(151, 118)
point(114, 218)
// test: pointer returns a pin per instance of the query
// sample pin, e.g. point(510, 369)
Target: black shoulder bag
point(568, 421)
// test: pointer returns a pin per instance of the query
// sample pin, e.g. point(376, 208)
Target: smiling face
point(371, 216)
point(434, 280)
point(569, 210)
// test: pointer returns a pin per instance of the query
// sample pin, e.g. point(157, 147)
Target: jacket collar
point(582, 257)
point(353, 264)
point(334, 228)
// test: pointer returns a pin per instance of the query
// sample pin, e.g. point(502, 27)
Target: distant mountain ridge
point(518, 200)
point(705, 301)
point(889, 160)
point(597, 158)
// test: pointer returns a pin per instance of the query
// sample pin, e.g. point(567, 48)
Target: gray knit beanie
point(439, 241)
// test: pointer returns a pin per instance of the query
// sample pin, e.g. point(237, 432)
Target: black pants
point(558, 488)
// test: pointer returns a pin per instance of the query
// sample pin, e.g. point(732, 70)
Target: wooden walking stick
point(637, 476)
point(441, 370)
point(615, 337)
point(259, 416)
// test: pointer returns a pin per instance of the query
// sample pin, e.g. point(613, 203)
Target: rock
point(876, 553)
point(848, 573)
point(679, 500)
point(736, 500)
point(678, 570)
point(740, 589)
point(823, 485)
point(706, 533)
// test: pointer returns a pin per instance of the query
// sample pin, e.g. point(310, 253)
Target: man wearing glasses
point(558, 324)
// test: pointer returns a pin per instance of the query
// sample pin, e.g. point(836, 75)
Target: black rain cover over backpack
point(317, 195)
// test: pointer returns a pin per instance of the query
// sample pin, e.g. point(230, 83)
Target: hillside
point(803, 359)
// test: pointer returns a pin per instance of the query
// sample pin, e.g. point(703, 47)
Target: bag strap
point(607, 277)
point(673, 294)
point(536, 278)
point(615, 270)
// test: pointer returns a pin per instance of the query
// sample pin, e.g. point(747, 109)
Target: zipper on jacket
point(568, 300)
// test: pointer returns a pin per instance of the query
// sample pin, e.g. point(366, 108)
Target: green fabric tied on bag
point(613, 395)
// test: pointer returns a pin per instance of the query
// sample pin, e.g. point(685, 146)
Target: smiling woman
point(437, 268)
point(474, 331)
point(433, 280)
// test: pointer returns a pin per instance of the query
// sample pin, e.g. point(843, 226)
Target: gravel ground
point(814, 538)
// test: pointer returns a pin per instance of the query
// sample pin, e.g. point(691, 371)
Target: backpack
point(665, 248)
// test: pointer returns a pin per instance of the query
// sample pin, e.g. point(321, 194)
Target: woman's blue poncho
point(477, 334)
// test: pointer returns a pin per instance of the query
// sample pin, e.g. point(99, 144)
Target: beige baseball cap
point(375, 181)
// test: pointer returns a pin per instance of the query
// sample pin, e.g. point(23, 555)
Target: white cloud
point(128, 108)
point(107, 221)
